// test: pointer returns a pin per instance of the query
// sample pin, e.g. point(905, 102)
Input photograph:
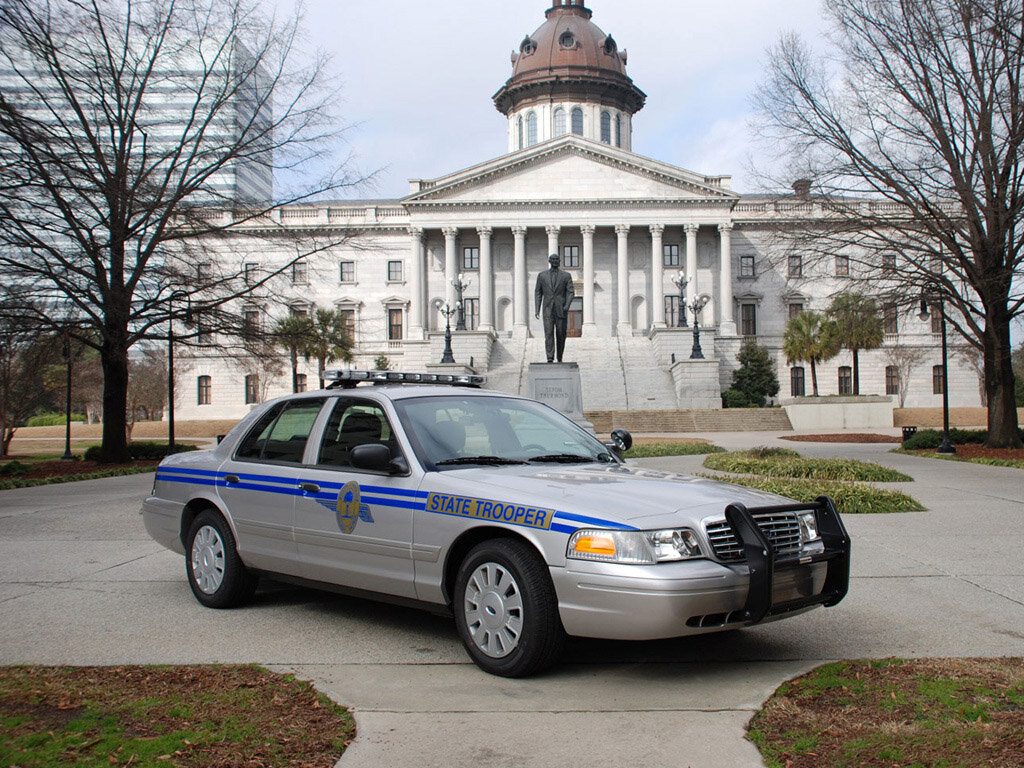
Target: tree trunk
point(323, 365)
point(999, 384)
point(856, 372)
point(814, 378)
point(6, 435)
point(114, 358)
point(294, 353)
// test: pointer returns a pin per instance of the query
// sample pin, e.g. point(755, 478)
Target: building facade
point(641, 239)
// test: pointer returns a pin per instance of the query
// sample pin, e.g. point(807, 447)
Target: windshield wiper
point(492, 460)
point(563, 458)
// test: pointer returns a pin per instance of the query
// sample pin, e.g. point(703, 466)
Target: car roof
point(399, 392)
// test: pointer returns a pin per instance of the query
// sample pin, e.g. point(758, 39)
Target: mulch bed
point(844, 437)
point(42, 469)
point(975, 451)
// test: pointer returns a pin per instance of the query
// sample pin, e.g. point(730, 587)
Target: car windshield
point(458, 431)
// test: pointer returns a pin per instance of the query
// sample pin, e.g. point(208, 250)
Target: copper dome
point(569, 56)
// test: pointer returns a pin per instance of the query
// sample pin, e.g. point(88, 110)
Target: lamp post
point(66, 354)
point(170, 360)
point(460, 284)
point(698, 304)
point(946, 446)
point(681, 281)
point(447, 311)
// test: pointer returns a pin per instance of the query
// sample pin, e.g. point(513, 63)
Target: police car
point(426, 488)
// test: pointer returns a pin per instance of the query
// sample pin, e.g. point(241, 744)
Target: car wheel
point(506, 610)
point(216, 574)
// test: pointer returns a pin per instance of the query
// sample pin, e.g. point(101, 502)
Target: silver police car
point(425, 488)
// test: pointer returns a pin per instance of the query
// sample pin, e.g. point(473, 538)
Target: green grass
point(647, 450)
point(850, 498)
point(782, 462)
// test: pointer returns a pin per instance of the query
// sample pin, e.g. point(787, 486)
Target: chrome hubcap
point(494, 610)
point(208, 559)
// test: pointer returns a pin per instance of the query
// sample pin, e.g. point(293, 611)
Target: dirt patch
point(844, 437)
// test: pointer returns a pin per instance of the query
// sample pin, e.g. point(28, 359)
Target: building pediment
point(571, 169)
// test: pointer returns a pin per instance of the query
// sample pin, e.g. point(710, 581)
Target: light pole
point(66, 354)
point(681, 281)
point(447, 311)
point(460, 284)
point(946, 446)
point(170, 360)
point(698, 304)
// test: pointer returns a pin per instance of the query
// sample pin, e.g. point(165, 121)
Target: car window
point(284, 437)
point(354, 422)
point(252, 445)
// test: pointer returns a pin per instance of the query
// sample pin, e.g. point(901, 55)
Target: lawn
point(782, 462)
point(849, 498)
point(643, 449)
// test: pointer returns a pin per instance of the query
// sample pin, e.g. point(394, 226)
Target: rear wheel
point(216, 574)
point(506, 610)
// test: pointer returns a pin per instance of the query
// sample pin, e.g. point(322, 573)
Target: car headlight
point(634, 547)
point(808, 527)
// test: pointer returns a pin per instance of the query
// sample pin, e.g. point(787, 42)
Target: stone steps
point(726, 420)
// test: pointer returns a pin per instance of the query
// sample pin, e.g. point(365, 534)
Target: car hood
point(617, 493)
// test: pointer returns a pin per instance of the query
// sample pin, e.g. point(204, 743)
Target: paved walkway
point(81, 583)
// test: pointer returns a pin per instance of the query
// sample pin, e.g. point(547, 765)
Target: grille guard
point(762, 559)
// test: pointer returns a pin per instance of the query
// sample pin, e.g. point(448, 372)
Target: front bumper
point(628, 602)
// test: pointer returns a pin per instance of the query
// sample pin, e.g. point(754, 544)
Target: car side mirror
point(371, 456)
point(622, 440)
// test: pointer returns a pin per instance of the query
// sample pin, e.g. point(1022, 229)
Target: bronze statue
point(554, 292)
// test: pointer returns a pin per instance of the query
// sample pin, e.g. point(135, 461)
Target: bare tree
point(911, 127)
point(904, 359)
point(974, 358)
point(147, 385)
point(123, 123)
point(24, 356)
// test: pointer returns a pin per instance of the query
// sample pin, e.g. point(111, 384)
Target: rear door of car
point(353, 526)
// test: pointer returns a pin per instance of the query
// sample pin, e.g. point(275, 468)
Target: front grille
point(782, 529)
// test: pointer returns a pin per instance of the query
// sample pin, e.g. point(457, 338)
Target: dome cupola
point(569, 77)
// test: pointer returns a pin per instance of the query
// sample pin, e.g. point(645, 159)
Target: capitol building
point(640, 238)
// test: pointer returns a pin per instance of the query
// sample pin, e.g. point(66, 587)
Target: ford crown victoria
point(496, 508)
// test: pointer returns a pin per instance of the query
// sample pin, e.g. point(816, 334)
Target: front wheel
point(506, 610)
point(216, 574)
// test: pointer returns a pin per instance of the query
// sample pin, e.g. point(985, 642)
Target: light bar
point(351, 378)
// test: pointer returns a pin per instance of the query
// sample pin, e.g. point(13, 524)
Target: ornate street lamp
point(698, 304)
point(460, 284)
point(946, 446)
point(65, 352)
point(681, 281)
point(170, 359)
point(447, 311)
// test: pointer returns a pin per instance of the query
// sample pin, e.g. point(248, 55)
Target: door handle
point(231, 478)
point(310, 487)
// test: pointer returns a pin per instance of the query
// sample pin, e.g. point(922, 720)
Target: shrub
point(733, 398)
point(927, 439)
point(755, 377)
point(147, 451)
point(13, 468)
point(849, 498)
point(793, 466)
point(52, 419)
point(645, 450)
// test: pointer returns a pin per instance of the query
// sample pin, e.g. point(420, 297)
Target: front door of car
point(354, 526)
point(259, 483)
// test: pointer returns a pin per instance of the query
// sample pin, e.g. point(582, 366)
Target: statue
point(554, 292)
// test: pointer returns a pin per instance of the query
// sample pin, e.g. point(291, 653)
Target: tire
point(506, 611)
point(216, 574)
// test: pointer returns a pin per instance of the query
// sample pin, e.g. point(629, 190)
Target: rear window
point(282, 433)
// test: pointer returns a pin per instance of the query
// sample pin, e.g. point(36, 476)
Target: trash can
point(908, 432)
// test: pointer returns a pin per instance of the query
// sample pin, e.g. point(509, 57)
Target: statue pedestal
point(557, 385)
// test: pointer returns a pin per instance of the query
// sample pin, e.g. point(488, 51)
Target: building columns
point(486, 280)
point(589, 324)
point(451, 264)
point(416, 283)
point(622, 231)
point(657, 277)
point(727, 323)
point(519, 292)
point(691, 262)
point(552, 230)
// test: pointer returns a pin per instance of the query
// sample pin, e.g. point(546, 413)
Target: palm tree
point(857, 325)
point(810, 337)
point(294, 333)
point(329, 340)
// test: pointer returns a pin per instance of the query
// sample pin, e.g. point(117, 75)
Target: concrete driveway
point(81, 583)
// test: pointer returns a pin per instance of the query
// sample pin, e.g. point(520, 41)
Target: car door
point(354, 527)
point(259, 483)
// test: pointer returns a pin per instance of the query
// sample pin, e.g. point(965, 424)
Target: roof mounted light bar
point(347, 379)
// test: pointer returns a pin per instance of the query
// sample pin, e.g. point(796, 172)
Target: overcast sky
point(419, 76)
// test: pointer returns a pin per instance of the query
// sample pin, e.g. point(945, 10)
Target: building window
point(204, 385)
point(300, 272)
point(842, 265)
point(204, 270)
point(937, 387)
point(395, 325)
point(571, 256)
point(347, 272)
point(250, 271)
point(471, 313)
point(890, 321)
point(936, 321)
point(577, 121)
point(845, 380)
point(394, 271)
point(747, 266)
point(301, 382)
point(204, 333)
point(670, 255)
point(471, 258)
point(796, 266)
point(560, 129)
point(796, 381)
point(251, 389)
point(531, 129)
point(888, 263)
point(298, 311)
point(250, 322)
point(348, 319)
point(892, 380)
point(672, 311)
point(795, 308)
point(748, 319)
point(618, 130)
point(606, 127)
